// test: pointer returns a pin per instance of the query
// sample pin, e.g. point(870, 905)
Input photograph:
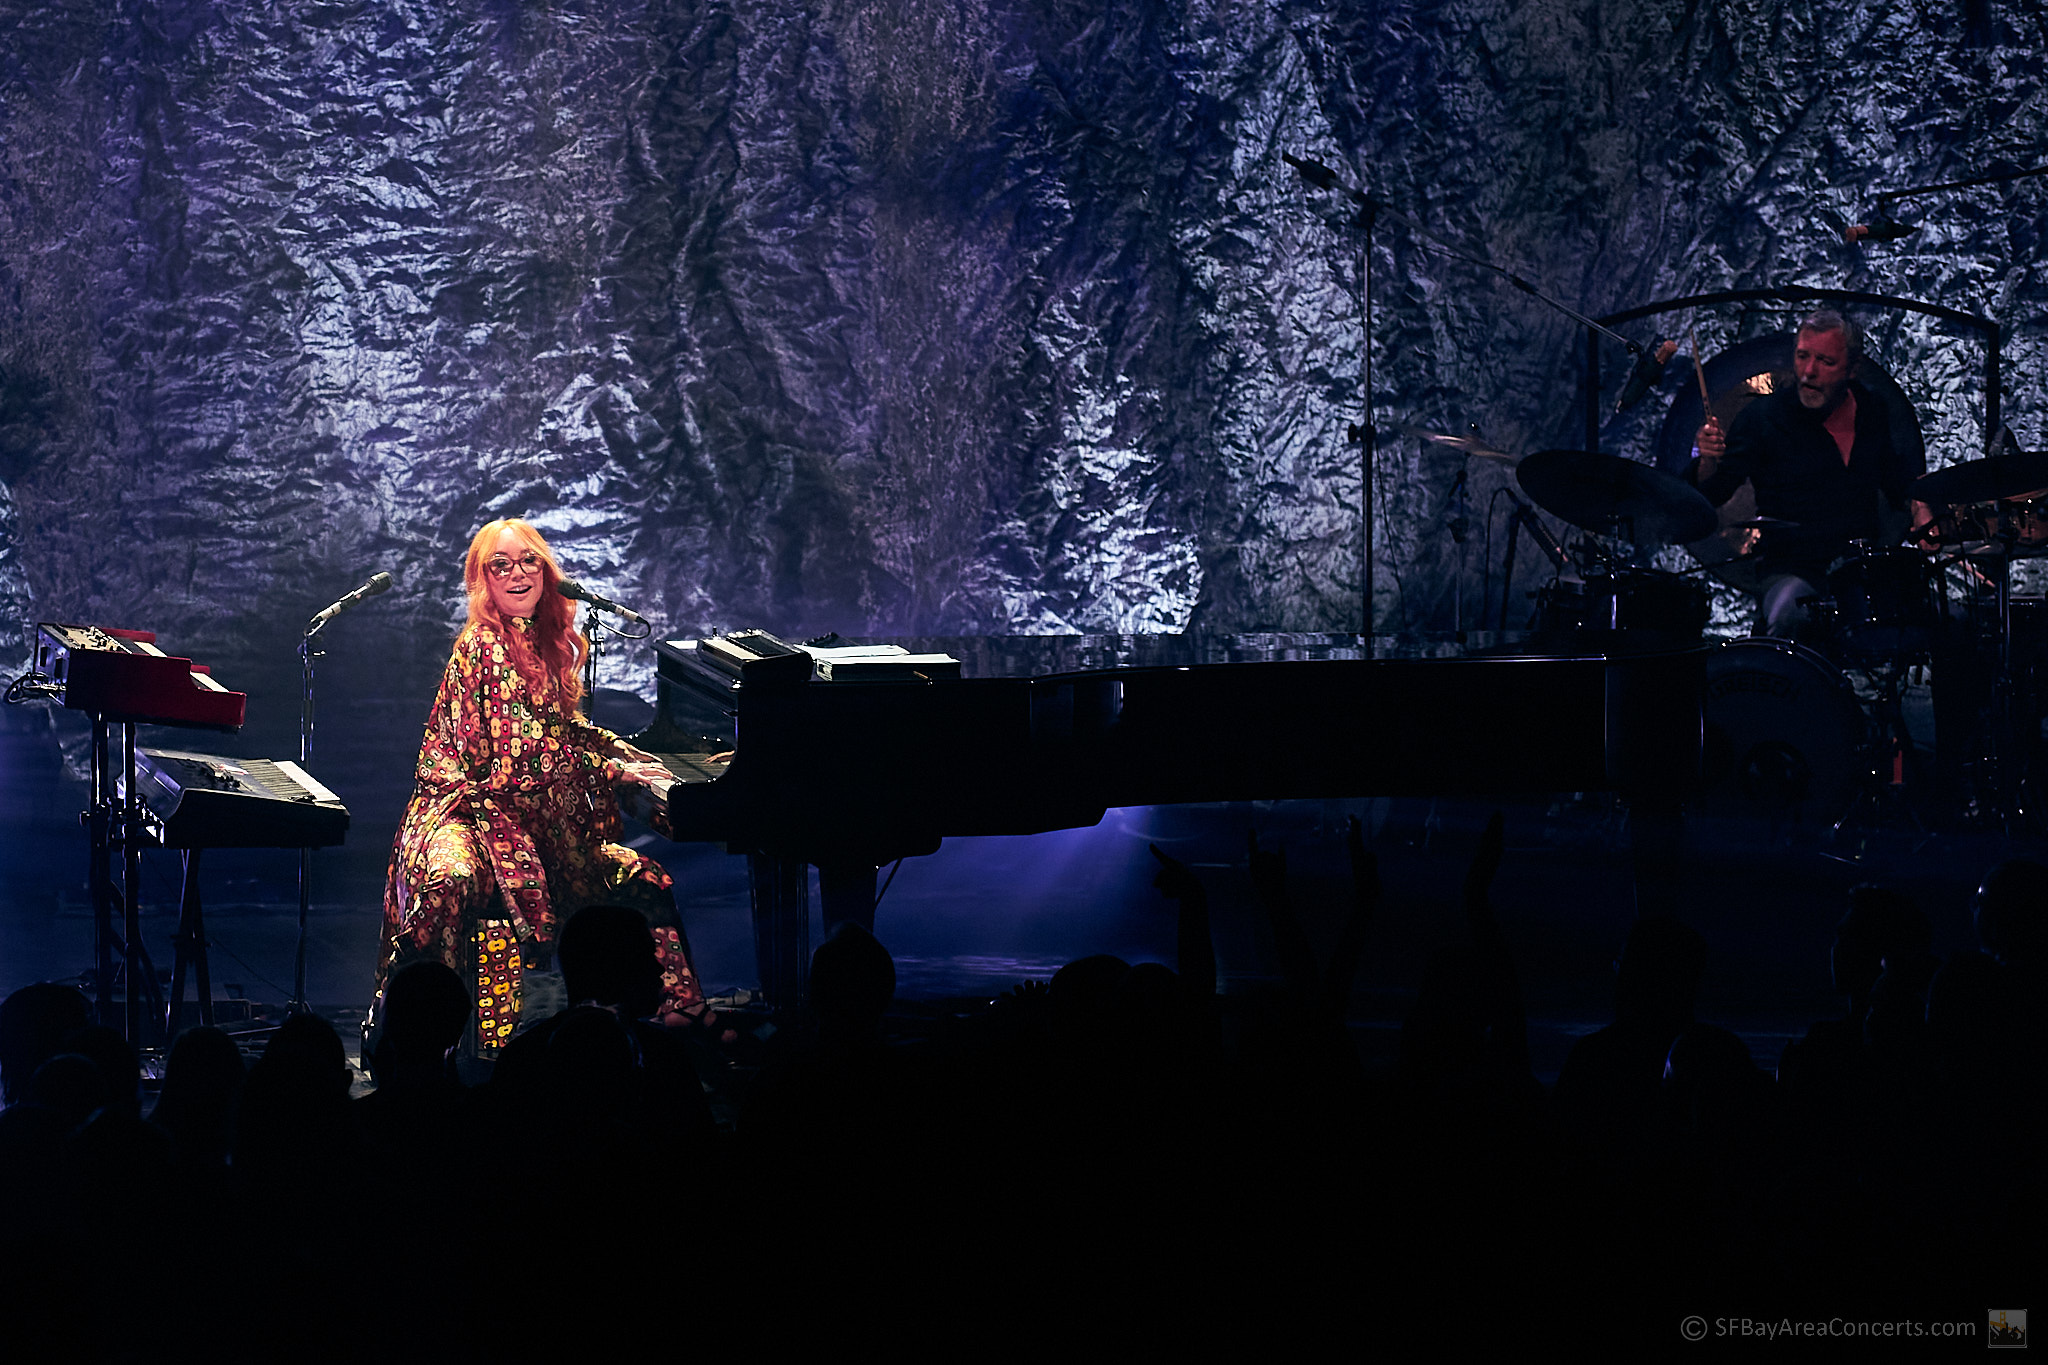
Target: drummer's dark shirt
point(1781, 446)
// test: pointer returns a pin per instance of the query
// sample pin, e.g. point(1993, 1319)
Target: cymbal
point(1986, 480)
point(1471, 445)
point(1996, 549)
point(1613, 496)
point(1764, 524)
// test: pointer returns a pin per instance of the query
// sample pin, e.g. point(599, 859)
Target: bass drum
point(1632, 601)
point(1786, 737)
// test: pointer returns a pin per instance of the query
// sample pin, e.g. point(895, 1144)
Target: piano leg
point(136, 974)
point(1656, 827)
point(781, 894)
point(848, 893)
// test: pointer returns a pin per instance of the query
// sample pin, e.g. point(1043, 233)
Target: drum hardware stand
point(2004, 758)
point(1459, 523)
point(2011, 758)
point(1886, 780)
point(1524, 518)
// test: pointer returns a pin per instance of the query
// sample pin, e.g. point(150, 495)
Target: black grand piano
point(850, 758)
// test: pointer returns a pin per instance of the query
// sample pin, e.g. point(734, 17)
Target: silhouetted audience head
point(294, 1112)
point(307, 1048)
point(589, 1065)
point(1963, 1005)
point(1881, 927)
point(117, 1062)
point(1711, 1084)
point(1157, 1020)
point(70, 1086)
point(1444, 1033)
point(2012, 913)
point(202, 1079)
point(607, 957)
point(1081, 999)
point(1657, 979)
point(33, 1024)
point(426, 1009)
point(853, 979)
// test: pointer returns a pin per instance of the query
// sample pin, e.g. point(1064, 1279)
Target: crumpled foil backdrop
point(935, 317)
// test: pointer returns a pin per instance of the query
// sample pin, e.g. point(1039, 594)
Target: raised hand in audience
point(1479, 881)
point(1195, 951)
point(1269, 882)
point(1365, 903)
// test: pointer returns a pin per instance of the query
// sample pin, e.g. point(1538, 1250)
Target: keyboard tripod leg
point(191, 951)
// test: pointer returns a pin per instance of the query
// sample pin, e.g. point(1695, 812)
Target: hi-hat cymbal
point(1613, 496)
point(1471, 445)
point(1985, 480)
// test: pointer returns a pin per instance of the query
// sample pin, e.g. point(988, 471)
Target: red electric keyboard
point(121, 676)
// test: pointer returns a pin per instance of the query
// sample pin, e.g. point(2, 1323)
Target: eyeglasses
point(502, 567)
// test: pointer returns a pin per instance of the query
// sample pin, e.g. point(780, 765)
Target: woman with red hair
point(513, 813)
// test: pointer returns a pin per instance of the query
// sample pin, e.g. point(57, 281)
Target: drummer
point(1819, 455)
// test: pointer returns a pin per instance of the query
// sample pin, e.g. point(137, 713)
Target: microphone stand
point(1362, 434)
point(309, 650)
point(595, 631)
point(1885, 200)
point(1366, 434)
point(1459, 524)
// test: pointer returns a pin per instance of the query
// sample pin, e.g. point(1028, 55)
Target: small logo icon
point(1693, 1328)
point(2008, 1328)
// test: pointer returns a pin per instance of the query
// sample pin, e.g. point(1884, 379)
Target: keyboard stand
point(191, 951)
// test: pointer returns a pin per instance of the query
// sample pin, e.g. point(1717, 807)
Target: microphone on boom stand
point(576, 592)
point(378, 582)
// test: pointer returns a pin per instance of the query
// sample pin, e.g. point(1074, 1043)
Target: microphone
point(1455, 520)
point(1313, 172)
point(1649, 369)
point(378, 582)
point(576, 592)
point(1883, 230)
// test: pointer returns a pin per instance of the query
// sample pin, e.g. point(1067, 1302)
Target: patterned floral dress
point(509, 834)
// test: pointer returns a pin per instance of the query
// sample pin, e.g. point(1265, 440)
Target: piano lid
point(1033, 656)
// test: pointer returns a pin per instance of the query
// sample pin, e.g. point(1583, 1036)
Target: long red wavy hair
point(550, 656)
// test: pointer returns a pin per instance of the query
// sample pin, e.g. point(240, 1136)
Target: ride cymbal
point(1471, 445)
point(1613, 496)
point(1986, 480)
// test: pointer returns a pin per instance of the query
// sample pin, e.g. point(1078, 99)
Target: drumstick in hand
point(1699, 368)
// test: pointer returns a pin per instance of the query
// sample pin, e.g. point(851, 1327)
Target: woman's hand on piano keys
point(648, 773)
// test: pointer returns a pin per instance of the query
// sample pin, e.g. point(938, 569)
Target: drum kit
point(1808, 730)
